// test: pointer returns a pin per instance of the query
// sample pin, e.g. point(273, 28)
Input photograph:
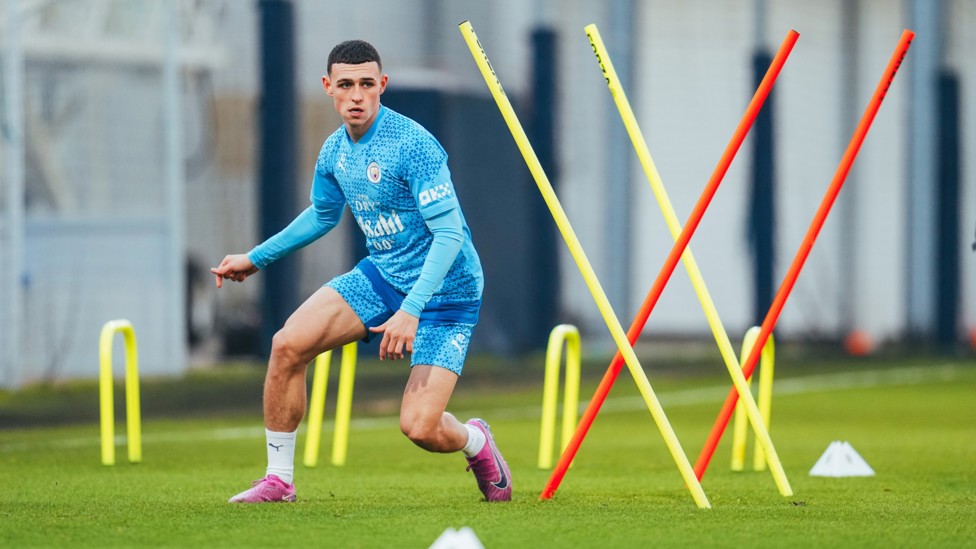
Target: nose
point(357, 93)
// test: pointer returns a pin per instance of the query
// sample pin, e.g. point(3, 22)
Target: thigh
point(323, 322)
point(360, 294)
point(426, 395)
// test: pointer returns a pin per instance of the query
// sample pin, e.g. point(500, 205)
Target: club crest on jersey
point(373, 173)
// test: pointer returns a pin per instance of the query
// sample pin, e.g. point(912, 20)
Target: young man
point(420, 288)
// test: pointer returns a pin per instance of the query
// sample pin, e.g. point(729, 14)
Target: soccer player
point(419, 288)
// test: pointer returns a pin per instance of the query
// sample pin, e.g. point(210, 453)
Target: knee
point(421, 433)
point(287, 352)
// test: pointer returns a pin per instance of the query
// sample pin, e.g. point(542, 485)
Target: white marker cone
point(463, 538)
point(841, 460)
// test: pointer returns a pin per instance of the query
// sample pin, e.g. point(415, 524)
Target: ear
point(327, 84)
point(383, 79)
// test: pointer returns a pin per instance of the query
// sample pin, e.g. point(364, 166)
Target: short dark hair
point(353, 52)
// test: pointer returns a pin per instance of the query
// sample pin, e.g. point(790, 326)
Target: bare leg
point(325, 321)
point(422, 416)
point(424, 421)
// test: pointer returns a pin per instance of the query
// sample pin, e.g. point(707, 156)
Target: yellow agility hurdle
point(133, 421)
point(765, 401)
point(316, 407)
point(563, 335)
point(589, 276)
point(694, 273)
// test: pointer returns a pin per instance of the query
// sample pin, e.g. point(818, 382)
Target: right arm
point(310, 225)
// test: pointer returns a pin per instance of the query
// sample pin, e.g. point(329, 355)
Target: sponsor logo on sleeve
point(434, 194)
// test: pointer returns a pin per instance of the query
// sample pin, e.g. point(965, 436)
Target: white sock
point(476, 441)
point(281, 454)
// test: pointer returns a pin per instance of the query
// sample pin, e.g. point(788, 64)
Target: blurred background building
point(142, 140)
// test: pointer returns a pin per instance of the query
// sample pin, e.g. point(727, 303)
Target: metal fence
point(94, 173)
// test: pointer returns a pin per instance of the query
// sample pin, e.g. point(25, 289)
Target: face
point(355, 91)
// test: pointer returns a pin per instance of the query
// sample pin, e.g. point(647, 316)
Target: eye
point(345, 85)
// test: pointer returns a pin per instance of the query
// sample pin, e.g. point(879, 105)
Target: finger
point(409, 346)
point(383, 343)
point(220, 281)
point(399, 349)
point(393, 350)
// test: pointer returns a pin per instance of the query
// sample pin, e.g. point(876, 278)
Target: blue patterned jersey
point(394, 178)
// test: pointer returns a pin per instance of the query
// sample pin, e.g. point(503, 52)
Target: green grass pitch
point(912, 422)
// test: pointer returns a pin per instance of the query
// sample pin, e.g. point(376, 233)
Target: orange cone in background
point(859, 343)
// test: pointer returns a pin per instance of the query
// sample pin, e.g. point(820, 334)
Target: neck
point(357, 133)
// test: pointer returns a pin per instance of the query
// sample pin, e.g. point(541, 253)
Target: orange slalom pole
point(672, 261)
point(801, 255)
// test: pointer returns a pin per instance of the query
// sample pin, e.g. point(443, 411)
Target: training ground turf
point(913, 422)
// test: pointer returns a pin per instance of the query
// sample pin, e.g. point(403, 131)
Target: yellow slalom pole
point(765, 401)
point(589, 276)
point(740, 430)
point(347, 375)
point(569, 335)
point(766, 366)
point(316, 408)
point(571, 391)
point(741, 426)
point(106, 396)
point(674, 225)
point(133, 417)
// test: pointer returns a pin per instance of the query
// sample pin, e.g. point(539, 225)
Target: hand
point(398, 335)
point(234, 267)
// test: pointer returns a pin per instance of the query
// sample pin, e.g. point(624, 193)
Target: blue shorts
point(445, 327)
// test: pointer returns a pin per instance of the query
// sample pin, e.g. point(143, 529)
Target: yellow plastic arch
point(133, 420)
